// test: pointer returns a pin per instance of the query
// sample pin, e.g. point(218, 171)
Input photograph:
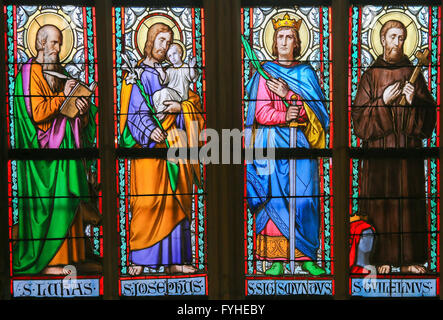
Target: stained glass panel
point(287, 105)
point(162, 206)
point(394, 97)
point(54, 198)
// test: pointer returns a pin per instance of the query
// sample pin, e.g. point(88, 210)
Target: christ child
point(177, 79)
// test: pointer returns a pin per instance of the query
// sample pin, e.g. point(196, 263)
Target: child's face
point(174, 55)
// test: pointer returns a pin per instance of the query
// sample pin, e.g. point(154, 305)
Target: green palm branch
point(134, 78)
point(256, 63)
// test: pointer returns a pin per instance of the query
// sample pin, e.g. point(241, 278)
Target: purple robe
point(176, 247)
point(140, 121)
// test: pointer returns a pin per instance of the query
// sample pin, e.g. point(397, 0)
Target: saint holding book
point(53, 194)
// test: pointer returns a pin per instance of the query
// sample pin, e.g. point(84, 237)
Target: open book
point(68, 107)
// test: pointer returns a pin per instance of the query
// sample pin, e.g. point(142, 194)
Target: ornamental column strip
point(440, 157)
point(4, 207)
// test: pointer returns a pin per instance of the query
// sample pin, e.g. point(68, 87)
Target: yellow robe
point(156, 209)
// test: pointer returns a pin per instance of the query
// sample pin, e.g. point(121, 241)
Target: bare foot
point(135, 270)
point(189, 269)
point(180, 269)
point(174, 269)
point(384, 269)
point(56, 271)
point(413, 269)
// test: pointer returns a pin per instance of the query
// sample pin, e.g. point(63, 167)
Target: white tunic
point(178, 81)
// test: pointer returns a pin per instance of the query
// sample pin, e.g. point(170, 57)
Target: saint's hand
point(158, 135)
point(69, 85)
point(172, 106)
point(82, 105)
point(192, 62)
point(409, 91)
point(292, 113)
point(278, 86)
point(391, 93)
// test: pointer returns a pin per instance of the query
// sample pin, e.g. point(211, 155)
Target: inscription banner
point(394, 287)
point(60, 288)
point(164, 287)
point(289, 287)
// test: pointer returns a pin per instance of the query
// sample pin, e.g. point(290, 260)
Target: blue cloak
point(268, 180)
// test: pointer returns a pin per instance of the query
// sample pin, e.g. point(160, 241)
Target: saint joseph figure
point(393, 190)
point(51, 192)
point(268, 192)
point(160, 225)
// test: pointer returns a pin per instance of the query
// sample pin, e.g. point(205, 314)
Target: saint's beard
point(393, 56)
point(158, 54)
point(52, 63)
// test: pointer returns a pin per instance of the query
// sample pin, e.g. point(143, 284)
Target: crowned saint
point(268, 192)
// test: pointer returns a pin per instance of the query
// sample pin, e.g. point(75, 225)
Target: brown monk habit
point(400, 223)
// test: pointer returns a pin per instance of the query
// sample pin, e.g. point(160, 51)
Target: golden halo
point(268, 33)
point(411, 42)
point(141, 32)
point(57, 20)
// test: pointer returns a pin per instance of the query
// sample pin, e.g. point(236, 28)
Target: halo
point(411, 41)
point(57, 20)
point(268, 33)
point(141, 32)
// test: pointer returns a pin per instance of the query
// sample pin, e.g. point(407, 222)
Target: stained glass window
point(159, 56)
point(394, 97)
point(58, 173)
point(287, 108)
point(54, 195)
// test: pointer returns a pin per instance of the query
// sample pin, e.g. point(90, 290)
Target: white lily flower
point(139, 71)
point(131, 67)
point(131, 78)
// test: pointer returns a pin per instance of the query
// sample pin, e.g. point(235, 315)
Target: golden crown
point(286, 22)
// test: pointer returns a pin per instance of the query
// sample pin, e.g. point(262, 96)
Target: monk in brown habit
point(393, 190)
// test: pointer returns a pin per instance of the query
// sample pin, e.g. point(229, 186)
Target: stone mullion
point(103, 14)
point(340, 158)
point(224, 182)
